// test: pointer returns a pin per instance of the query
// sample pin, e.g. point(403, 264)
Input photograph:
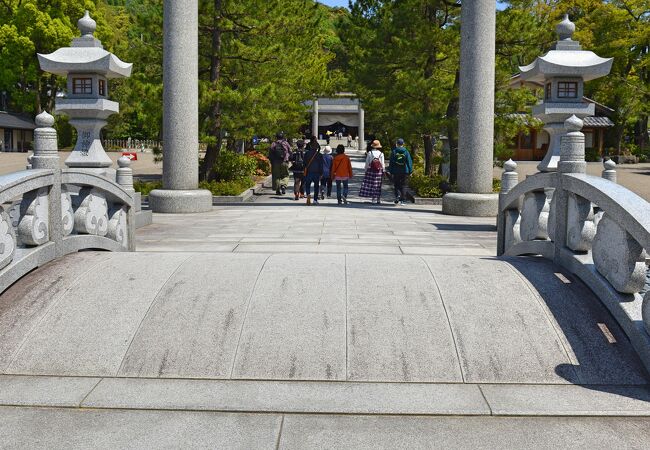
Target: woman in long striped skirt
point(371, 186)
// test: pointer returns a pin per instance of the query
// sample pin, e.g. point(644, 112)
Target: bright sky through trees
point(346, 2)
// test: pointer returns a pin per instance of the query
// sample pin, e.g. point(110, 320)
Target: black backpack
point(298, 162)
point(277, 152)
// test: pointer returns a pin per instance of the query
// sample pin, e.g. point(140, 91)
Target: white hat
point(327, 150)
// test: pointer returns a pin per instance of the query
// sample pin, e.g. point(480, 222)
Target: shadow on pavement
point(606, 360)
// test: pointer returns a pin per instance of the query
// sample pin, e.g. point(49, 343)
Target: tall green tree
point(260, 61)
point(28, 27)
point(403, 58)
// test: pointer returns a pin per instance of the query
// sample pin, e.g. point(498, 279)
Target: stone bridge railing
point(46, 212)
point(590, 226)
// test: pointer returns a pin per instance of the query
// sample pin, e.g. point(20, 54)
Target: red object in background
point(132, 156)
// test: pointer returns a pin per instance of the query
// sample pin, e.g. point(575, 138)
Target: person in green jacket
point(401, 166)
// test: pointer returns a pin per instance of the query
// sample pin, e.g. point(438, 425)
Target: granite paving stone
point(193, 327)
point(502, 333)
point(295, 326)
point(24, 304)
point(306, 432)
point(289, 397)
point(53, 429)
point(564, 400)
point(89, 331)
point(19, 390)
point(397, 327)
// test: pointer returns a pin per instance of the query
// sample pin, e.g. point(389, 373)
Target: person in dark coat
point(400, 167)
point(313, 171)
point(279, 158)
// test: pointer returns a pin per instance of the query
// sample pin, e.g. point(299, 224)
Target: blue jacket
point(327, 165)
point(395, 168)
point(315, 167)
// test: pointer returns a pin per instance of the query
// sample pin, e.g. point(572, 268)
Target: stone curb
point(244, 196)
point(325, 397)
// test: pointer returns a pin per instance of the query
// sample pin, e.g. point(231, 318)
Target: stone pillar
point(362, 129)
point(314, 120)
point(46, 151)
point(180, 192)
point(476, 118)
point(124, 174)
point(572, 147)
point(610, 171)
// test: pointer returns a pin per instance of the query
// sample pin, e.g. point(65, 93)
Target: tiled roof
point(590, 122)
point(598, 122)
point(16, 121)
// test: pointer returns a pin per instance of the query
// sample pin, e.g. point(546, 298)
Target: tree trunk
point(213, 150)
point(452, 130)
point(429, 167)
point(641, 133)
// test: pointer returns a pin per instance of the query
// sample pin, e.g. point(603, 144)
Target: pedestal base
point(472, 205)
point(180, 202)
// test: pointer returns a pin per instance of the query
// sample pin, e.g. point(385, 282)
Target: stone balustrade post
point(46, 150)
point(507, 223)
point(572, 149)
point(510, 177)
point(610, 171)
point(125, 174)
point(46, 156)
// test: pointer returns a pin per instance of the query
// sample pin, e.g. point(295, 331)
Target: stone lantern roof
point(567, 59)
point(85, 55)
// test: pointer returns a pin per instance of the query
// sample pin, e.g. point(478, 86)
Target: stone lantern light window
point(549, 91)
point(82, 86)
point(102, 87)
point(567, 89)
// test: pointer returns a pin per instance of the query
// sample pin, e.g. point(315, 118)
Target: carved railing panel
point(595, 228)
point(46, 212)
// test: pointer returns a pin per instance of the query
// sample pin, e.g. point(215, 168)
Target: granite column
point(180, 192)
point(362, 129)
point(476, 117)
point(314, 120)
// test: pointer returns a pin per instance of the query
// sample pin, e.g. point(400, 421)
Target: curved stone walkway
point(233, 328)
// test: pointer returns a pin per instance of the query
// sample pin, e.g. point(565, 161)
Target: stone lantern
point(563, 72)
point(88, 67)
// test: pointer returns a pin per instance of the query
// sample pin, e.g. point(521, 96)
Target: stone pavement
point(277, 325)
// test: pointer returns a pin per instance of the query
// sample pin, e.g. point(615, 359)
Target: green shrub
point(232, 166)
point(233, 187)
point(427, 187)
point(592, 155)
point(496, 185)
point(144, 187)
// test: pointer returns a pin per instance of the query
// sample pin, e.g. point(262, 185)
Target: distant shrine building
point(341, 113)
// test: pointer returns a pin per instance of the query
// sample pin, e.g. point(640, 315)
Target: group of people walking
point(311, 168)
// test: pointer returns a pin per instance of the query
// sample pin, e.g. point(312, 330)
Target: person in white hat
point(326, 181)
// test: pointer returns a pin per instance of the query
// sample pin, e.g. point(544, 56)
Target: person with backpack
point(313, 171)
point(371, 186)
point(279, 158)
point(298, 168)
point(326, 181)
point(341, 173)
point(401, 166)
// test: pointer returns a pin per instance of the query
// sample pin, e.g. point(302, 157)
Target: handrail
point(597, 230)
point(532, 183)
point(631, 211)
point(15, 184)
point(46, 212)
point(79, 177)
